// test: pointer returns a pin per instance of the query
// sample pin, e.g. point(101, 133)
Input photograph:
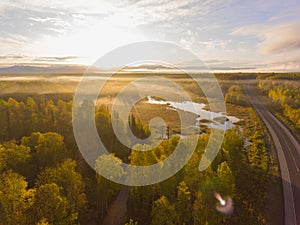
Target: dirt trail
point(116, 213)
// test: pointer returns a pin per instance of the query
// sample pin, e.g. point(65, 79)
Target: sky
point(226, 34)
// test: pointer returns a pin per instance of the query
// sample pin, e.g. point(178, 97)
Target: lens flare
point(225, 205)
point(221, 200)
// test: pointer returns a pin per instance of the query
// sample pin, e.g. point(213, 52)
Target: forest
point(286, 96)
point(45, 180)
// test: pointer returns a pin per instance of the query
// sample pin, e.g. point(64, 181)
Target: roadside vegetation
point(283, 90)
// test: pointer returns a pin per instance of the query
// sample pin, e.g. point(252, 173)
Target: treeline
point(285, 94)
point(278, 76)
point(21, 118)
point(236, 76)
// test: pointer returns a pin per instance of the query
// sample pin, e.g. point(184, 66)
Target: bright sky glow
point(226, 34)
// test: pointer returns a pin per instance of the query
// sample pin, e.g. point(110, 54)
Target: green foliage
point(43, 221)
point(110, 164)
point(200, 213)
point(131, 222)
point(15, 199)
point(287, 95)
point(138, 129)
point(236, 76)
point(14, 157)
point(235, 95)
point(22, 118)
point(279, 76)
point(105, 189)
point(61, 189)
point(71, 186)
point(194, 202)
point(4, 117)
point(183, 204)
point(163, 212)
point(48, 149)
point(59, 196)
point(52, 205)
point(224, 180)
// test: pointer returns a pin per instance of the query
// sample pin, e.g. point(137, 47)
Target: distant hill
point(146, 67)
point(80, 69)
point(29, 69)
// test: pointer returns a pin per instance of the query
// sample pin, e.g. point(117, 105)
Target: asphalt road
point(288, 151)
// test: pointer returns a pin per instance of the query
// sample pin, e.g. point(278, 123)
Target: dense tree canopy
point(45, 180)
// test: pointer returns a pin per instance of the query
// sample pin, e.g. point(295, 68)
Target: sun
point(89, 38)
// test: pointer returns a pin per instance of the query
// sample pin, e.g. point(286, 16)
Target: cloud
point(78, 6)
point(55, 59)
point(250, 30)
point(278, 42)
point(274, 38)
point(42, 20)
point(281, 38)
point(11, 56)
point(31, 23)
point(177, 13)
point(283, 66)
point(8, 42)
point(213, 44)
point(44, 59)
point(57, 18)
point(11, 44)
